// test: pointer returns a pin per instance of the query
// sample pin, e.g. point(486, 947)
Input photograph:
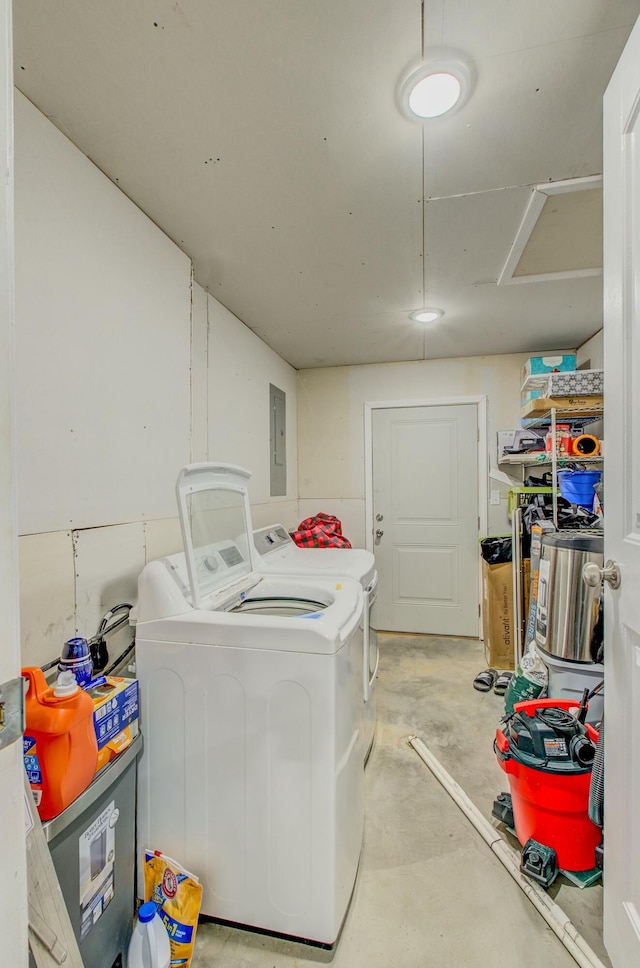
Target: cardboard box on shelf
point(526, 586)
point(498, 619)
point(581, 406)
point(116, 711)
point(538, 530)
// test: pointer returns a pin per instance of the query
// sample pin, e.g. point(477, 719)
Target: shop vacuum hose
point(553, 914)
point(596, 789)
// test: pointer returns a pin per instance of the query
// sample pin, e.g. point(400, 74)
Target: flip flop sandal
point(484, 681)
point(502, 682)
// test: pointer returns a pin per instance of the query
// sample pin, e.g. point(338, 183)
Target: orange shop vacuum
point(548, 752)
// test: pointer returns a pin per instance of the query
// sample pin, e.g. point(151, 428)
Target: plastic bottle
point(149, 945)
point(563, 440)
point(59, 743)
point(76, 658)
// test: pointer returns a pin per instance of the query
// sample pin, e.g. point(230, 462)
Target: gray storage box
point(575, 383)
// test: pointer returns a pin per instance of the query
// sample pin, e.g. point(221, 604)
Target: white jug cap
point(66, 685)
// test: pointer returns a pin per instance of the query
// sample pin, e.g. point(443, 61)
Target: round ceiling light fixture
point(426, 315)
point(439, 86)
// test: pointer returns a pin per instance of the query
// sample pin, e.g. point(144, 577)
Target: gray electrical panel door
point(278, 439)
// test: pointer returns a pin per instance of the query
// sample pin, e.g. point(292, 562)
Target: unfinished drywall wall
point(103, 378)
point(115, 345)
point(103, 303)
point(241, 367)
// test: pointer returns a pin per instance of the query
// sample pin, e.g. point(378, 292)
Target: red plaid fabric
point(320, 531)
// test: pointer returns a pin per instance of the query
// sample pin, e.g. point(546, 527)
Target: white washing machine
point(251, 774)
point(278, 554)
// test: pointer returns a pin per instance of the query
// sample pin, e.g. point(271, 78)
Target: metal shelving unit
point(549, 419)
point(543, 460)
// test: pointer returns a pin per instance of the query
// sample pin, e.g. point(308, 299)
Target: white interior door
point(622, 507)
point(425, 509)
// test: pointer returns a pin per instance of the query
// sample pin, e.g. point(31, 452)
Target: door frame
point(480, 403)
point(621, 928)
point(13, 882)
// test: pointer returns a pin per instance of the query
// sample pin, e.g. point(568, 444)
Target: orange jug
point(59, 743)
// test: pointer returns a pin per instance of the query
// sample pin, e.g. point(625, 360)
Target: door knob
point(379, 533)
point(592, 575)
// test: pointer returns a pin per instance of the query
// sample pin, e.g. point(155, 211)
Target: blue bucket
point(577, 486)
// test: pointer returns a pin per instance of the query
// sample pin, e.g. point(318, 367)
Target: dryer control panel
point(271, 539)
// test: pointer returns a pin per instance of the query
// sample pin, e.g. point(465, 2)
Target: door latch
point(11, 711)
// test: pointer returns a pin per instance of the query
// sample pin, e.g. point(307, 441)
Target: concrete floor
point(430, 893)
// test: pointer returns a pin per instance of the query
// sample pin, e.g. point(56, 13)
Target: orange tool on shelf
point(586, 445)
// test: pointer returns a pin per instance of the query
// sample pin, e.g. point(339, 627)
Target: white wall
point(241, 367)
point(125, 372)
point(103, 310)
point(591, 353)
point(103, 347)
point(331, 424)
point(591, 356)
point(199, 375)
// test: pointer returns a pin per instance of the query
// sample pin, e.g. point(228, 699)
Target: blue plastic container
point(577, 486)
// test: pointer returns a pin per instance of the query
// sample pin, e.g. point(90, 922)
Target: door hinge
point(11, 711)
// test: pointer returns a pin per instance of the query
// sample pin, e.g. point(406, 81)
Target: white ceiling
point(263, 136)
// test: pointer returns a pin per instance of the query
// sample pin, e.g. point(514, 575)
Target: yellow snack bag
point(178, 895)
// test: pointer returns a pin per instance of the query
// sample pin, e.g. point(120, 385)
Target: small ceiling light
point(426, 315)
point(434, 94)
point(440, 85)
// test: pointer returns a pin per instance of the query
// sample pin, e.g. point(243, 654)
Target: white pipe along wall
point(553, 914)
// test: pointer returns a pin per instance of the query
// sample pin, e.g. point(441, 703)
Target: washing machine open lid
point(215, 518)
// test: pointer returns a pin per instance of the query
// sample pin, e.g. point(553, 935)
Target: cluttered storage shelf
point(545, 460)
point(543, 617)
point(561, 409)
point(561, 412)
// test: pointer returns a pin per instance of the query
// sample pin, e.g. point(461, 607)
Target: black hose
point(103, 629)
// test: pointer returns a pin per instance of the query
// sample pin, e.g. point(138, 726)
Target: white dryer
point(278, 554)
point(251, 774)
